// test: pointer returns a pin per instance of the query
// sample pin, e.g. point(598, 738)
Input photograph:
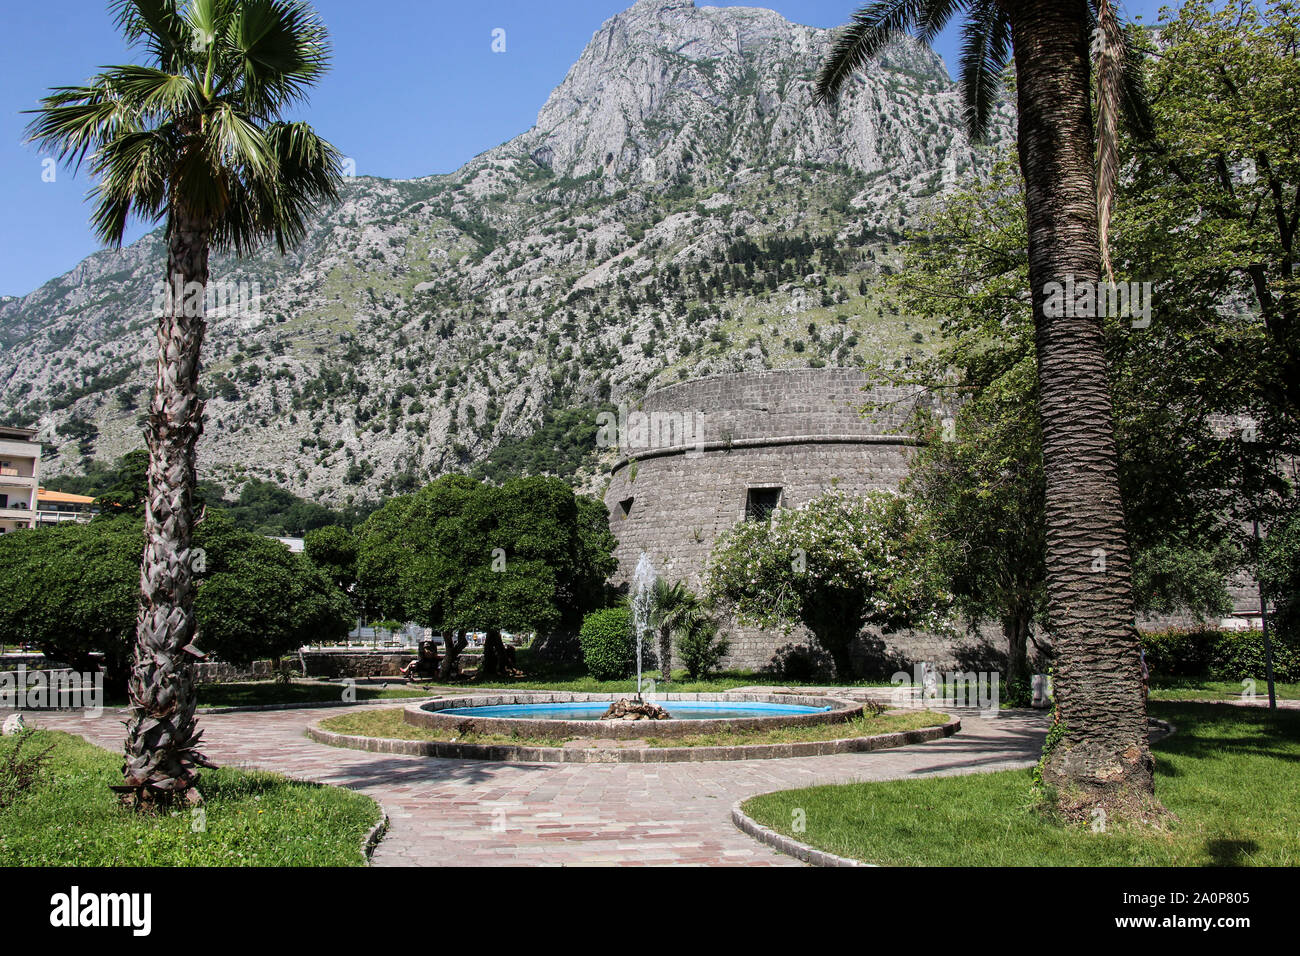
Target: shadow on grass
point(1216, 730)
point(1230, 852)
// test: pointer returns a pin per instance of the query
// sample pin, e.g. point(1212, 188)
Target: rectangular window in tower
point(761, 502)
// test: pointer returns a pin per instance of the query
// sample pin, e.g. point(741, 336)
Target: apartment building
point(20, 465)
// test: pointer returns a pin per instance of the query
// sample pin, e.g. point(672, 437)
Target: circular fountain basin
point(578, 715)
point(677, 710)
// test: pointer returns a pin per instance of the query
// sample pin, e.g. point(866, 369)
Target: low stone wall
point(11, 662)
point(358, 663)
point(427, 715)
point(335, 664)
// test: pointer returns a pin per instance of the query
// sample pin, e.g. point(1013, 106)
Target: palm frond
point(205, 19)
point(935, 16)
point(132, 172)
point(152, 91)
point(157, 25)
point(867, 32)
point(75, 120)
point(307, 173)
point(1108, 49)
point(280, 49)
point(1136, 100)
point(233, 140)
point(986, 47)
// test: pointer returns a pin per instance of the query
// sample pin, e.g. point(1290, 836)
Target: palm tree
point(1103, 757)
point(673, 607)
point(194, 139)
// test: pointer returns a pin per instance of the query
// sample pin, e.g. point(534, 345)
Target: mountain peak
point(663, 89)
point(700, 215)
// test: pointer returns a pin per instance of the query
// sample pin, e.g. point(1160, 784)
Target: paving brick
point(441, 810)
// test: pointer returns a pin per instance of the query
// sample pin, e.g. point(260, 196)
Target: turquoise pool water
point(677, 710)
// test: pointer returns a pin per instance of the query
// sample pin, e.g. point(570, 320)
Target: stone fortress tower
point(699, 456)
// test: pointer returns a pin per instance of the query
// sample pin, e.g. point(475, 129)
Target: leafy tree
point(460, 555)
point(1102, 753)
point(980, 495)
point(1225, 146)
point(130, 485)
point(333, 550)
point(75, 588)
point(72, 590)
point(257, 599)
point(836, 565)
point(192, 136)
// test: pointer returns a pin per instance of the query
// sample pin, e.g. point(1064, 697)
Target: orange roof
point(62, 498)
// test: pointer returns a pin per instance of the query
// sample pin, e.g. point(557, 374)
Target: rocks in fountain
point(635, 710)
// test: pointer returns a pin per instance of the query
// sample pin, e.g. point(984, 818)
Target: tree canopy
point(835, 565)
point(459, 554)
point(75, 593)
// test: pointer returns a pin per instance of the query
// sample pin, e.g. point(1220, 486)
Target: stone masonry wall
point(797, 430)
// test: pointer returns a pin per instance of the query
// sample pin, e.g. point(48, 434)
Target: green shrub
point(1241, 655)
point(1176, 653)
point(700, 647)
point(1218, 655)
point(607, 642)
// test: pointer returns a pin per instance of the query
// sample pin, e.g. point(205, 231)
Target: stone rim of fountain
point(427, 715)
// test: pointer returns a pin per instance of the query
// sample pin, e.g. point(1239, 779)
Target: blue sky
point(415, 89)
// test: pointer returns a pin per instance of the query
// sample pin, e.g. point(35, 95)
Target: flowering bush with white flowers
point(835, 565)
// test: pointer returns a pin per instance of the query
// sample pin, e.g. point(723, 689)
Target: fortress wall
point(675, 506)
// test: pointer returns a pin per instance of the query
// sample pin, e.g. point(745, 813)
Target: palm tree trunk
point(1103, 758)
point(666, 654)
point(162, 739)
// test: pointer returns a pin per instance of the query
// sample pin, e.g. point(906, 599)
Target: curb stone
point(784, 844)
point(815, 857)
point(377, 832)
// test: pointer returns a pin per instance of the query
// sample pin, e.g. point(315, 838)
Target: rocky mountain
point(680, 208)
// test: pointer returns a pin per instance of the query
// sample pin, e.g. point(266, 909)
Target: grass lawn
point(1194, 688)
point(254, 693)
point(388, 723)
point(250, 818)
point(1230, 774)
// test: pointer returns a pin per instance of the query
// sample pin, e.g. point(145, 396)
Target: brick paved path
point(466, 812)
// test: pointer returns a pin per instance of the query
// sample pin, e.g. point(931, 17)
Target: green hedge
point(1217, 655)
point(607, 643)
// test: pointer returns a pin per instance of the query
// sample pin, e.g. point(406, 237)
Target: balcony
point(62, 517)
